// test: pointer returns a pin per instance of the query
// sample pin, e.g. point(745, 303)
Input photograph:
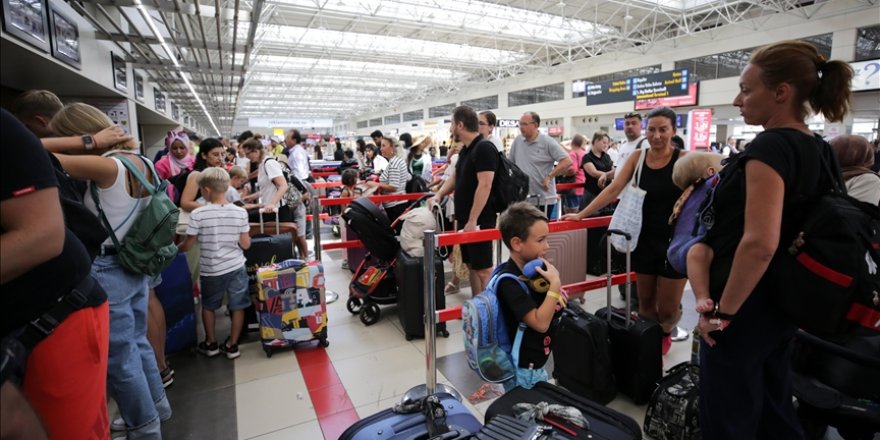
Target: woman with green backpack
point(122, 186)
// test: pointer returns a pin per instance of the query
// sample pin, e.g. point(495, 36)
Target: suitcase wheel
point(353, 305)
point(269, 351)
point(324, 342)
point(444, 333)
point(409, 337)
point(370, 314)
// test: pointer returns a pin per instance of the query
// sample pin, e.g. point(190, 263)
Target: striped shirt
point(219, 228)
point(395, 174)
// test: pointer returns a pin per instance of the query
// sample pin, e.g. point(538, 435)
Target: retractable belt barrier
point(432, 241)
point(324, 174)
point(319, 185)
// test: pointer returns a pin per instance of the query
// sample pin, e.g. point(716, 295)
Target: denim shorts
point(234, 283)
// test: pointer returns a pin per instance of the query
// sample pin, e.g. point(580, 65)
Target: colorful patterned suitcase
point(291, 304)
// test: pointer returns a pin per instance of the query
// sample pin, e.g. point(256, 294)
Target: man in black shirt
point(472, 182)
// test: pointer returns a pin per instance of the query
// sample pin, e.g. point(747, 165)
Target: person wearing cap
point(535, 154)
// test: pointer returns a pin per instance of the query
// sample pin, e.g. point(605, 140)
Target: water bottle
point(695, 347)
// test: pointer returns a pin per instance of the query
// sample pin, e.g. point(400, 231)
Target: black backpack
point(178, 181)
point(82, 222)
point(830, 271)
point(510, 184)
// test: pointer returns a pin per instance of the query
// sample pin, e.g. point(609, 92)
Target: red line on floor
point(332, 405)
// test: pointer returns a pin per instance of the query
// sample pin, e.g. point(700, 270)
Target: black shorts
point(477, 255)
point(649, 258)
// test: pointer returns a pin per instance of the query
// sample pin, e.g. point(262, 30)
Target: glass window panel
point(362, 124)
point(868, 43)
point(822, 43)
point(393, 119)
point(375, 122)
point(706, 68)
point(552, 92)
point(441, 110)
point(484, 103)
point(414, 115)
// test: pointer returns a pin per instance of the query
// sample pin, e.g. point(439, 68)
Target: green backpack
point(148, 247)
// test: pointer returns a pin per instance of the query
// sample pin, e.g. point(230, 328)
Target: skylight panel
point(493, 18)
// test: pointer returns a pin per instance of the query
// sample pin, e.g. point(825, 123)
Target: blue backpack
point(690, 224)
point(486, 342)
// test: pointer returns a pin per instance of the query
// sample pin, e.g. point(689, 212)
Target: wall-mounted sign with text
point(290, 123)
point(646, 87)
point(508, 123)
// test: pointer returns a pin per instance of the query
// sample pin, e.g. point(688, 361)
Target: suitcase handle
point(628, 285)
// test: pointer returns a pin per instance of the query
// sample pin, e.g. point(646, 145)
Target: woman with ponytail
point(745, 371)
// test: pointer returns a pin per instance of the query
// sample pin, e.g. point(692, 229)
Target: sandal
point(451, 288)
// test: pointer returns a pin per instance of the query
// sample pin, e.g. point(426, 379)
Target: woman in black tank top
point(659, 286)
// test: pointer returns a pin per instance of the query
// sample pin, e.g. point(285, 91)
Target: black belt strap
point(88, 293)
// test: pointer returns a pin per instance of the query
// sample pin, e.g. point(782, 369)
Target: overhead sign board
point(867, 75)
point(699, 129)
point(607, 92)
point(653, 86)
point(689, 99)
point(507, 123)
point(289, 122)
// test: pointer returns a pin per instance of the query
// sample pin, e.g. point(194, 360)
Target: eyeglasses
point(632, 115)
point(527, 123)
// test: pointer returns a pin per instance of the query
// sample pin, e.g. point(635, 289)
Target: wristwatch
point(89, 142)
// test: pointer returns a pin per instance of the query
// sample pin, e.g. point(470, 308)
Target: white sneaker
point(118, 425)
point(679, 334)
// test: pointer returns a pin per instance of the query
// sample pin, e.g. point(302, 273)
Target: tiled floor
point(313, 393)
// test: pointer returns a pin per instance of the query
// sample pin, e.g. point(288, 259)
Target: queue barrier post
point(329, 295)
point(430, 335)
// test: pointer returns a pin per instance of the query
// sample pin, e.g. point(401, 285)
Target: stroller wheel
point(370, 314)
point(354, 305)
point(324, 342)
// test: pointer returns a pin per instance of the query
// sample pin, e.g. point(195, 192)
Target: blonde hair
point(216, 179)
point(78, 119)
point(692, 167)
point(237, 171)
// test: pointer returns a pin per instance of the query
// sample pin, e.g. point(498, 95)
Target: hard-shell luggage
point(354, 255)
point(674, 410)
point(411, 291)
point(582, 355)
point(566, 252)
point(291, 304)
point(390, 425)
point(264, 250)
point(604, 423)
point(635, 345)
point(176, 295)
point(510, 428)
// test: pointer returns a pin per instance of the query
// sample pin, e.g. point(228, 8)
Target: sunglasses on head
point(632, 115)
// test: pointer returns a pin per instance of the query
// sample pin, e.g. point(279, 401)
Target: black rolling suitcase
point(603, 423)
point(411, 291)
point(635, 345)
point(582, 355)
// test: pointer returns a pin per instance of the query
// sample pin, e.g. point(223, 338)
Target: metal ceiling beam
point(187, 9)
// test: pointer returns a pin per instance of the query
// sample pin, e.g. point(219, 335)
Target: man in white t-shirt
point(632, 128)
point(299, 158)
point(729, 147)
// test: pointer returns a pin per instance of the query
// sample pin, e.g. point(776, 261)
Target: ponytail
point(833, 94)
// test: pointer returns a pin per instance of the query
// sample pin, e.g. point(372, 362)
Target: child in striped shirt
point(222, 231)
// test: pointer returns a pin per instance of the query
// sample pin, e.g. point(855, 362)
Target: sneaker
point(209, 350)
point(451, 288)
point(167, 376)
point(230, 350)
point(679, 334)
point(118, 425)
point(667, 344)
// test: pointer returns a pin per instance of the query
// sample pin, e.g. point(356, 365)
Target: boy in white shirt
point(222, 231)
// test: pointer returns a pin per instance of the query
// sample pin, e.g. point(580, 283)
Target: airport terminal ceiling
point(227, 59)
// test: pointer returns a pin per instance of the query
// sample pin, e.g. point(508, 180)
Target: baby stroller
point(373, 283)
point(836, 384)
